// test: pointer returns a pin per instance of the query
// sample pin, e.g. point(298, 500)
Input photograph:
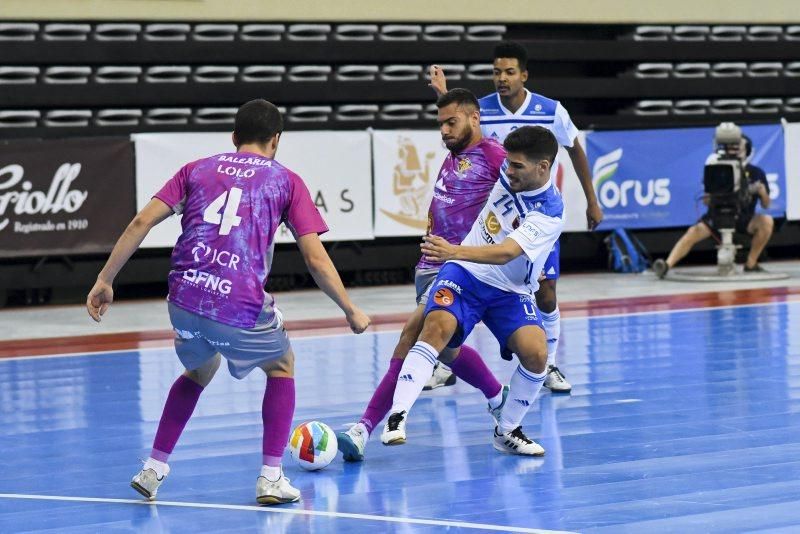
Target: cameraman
point(757, 225)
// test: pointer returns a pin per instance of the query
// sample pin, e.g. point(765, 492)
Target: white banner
point(406, 163)
point(574, 199)
point(792, 148)
point(334, 165)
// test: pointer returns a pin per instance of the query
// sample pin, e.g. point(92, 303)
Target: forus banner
point(654, 178)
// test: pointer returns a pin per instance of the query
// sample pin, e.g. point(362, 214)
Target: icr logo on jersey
point(219, 257)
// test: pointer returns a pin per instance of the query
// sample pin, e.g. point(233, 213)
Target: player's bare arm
point(438, 80)
point(102, 294)
point(327, 278)
point(594, 214)
point(439, 249)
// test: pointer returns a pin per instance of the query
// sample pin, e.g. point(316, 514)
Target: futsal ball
point(313, 445)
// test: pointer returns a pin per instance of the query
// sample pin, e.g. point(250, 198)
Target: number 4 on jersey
point(228, 219)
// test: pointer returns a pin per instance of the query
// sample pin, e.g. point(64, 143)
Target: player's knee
point(546, 296)
point(438, 329)
point(534, 359)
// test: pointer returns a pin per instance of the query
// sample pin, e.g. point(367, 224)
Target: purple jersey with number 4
point(462, 187)
point(232, 204)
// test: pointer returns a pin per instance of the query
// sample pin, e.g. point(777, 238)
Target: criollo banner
point(68, 196)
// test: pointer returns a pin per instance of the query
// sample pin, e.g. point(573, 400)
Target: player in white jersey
point(491, 277)
point(502, 112)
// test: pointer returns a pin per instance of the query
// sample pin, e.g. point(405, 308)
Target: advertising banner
point(334, 165)
point(654, 178)
point(70, 196)
point(792, 132)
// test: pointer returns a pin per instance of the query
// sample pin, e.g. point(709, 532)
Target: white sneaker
point(147, 482)
point(442, 376)
point(495, 412)
point(277, 492)
point(353, 442)
point(515, 442)
point(555, 380)
point(394, 432)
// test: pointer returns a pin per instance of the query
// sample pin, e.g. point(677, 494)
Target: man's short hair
point(510, 49)
point(256, 122)
point(461, 97)
point(535, 142)
point(748, 146)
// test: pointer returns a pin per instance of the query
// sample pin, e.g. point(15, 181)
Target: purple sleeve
point(173, 194)
point(302, 214)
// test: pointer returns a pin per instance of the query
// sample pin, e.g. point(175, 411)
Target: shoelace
point(517, 433)
point(394, 420)
point(557, 372)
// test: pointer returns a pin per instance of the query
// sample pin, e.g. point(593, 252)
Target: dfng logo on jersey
point(613, 193)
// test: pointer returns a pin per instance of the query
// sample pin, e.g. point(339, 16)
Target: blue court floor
point(684, 421)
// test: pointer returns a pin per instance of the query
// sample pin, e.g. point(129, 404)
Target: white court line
point(290, 511)
point(322, 336)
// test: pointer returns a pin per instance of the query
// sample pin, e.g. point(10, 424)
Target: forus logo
point(613, 193)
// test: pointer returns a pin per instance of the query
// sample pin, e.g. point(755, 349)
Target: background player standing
point(502, 112)
point(232, 204)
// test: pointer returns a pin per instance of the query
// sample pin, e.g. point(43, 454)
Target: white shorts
point(198, 339)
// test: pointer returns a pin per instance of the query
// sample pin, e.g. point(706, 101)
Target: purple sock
point(381, 400)
point(277, 411)
point(182, 399)
point(469, 367)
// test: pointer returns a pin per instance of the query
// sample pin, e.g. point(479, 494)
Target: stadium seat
point(764, 33)
point(357, 73)
point(690, 33)
point(262, 73)
point(691, 70)
point(652, 33)
point(792, 105)
point(765, 69)
point(653, 107)
point(357, 112)
point(400, 112)
point(117, 74)
point(309, 113)
point(168, 116)
point(431, 112)
point(356, 32)
point(691, 107)
point(308, 32)
point(116, 32)
point(262, 32)
point(67, 118)
point(792, 33)
point(118, 117)
point(480, 71)
point(653, 70)
point(401, 73)
point(60, 31)
point(485, 32)
point(18, 31)
point(452, 71)
point(764, 105)
point(400, 32)
point(19, 118)
point(67, 74)
point(215, 32)
point(168, 74)
point(309, 73)
point(214, 115)
point(443, 32)
point(215, 74)
point(19, 75)
point(728, 33)
point(166, 32)
point(728, 106)
point(728, 69)
point(792, 69)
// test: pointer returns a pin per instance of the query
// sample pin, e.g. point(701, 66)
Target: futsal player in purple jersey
point(465, 180)
point(232, 204)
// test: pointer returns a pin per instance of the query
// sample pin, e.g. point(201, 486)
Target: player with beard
point(467, 176)
point(502, 112)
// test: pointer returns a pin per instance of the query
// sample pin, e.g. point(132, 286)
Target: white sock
point(523, 389)
point(271, 473)
point(495, 401)
point(552, 329)
point(417, 369)
point(159, 467)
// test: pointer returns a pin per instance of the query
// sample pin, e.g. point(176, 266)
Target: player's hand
point(358, 320)
point(594, 215)
point(437, 248)
point(438, 80)
point(99, 299)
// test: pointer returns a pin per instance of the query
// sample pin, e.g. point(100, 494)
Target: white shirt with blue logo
point(537, 110)
point(534, 219)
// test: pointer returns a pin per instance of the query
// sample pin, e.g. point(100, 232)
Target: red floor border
point(310, 327)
